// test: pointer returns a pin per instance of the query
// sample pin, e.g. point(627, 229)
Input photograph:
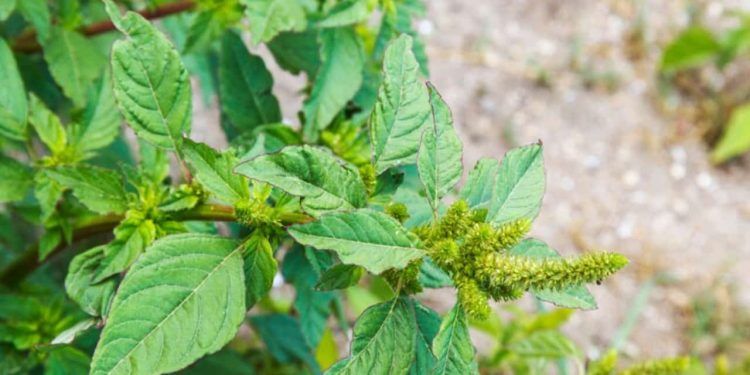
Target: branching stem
point(27, 42)
point(28, 261)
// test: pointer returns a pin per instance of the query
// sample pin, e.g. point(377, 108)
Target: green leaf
point(577, 297)
point(363, 237)
point(13, 105)
point(70, 334)
point(214, 171)
point(223, 362)
point(694, 47)
point(205, 27)
point(187, 290)
point(16, 179)
point(402, 110)
point(93, 298)
point(67, 360)
point(519, 187)
point(48, 126)
point(130, 241)
point(99, 189)
point(301, 268)
point(260, 268)
point(6, 8)
point(325, 182)
point(151, 84)
point(74, 62)
point(439, 158)
point(100, 124)
point(452, 345)
point(283, 338)
point(47, 192)
point(269, 17)
point(337, 80)
point(428, 325)
point(545, 344)
point(297, 52)
point(431, 276)
point(345, 13)
point(481, 183)
point(340, 276)
point(245, 85)
point(397, 21)
point(37, 13)
point(384, 341)
point(736, 137)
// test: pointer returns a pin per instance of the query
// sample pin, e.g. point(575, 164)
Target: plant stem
point(28, 261)
point(27, 42)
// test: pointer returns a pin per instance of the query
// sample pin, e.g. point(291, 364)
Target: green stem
point(28, 261)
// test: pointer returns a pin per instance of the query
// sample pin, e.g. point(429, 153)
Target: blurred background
point(628, 150)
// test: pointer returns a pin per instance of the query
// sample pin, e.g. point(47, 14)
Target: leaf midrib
point(176, 308)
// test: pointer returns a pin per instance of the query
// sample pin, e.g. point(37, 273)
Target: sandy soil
point(622, 175)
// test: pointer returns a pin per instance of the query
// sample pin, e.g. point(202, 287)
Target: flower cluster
point(660, 366)
point(478, 258)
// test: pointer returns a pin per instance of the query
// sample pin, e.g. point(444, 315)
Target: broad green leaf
point(384, 341)
point(37, 13)
point(49, 241)
point(205, 27)
point(439, 158)
point(270, 17)
point(13, 105)
point(47, 192)
point(519, 187)
point(151, 84)
point(131, 239)
point(452, 345)
point(363, 237)
point(402, 110)
point(736, 138)
point(325, 182)
point(481, 183)
point(428, 325)
point(223, 362)
point(99, 189)
point(420, 212)
point(327, 352)
point(67, 360)
point(694, 47)
point(337, 80)
point(545, 344)
point(297, 52)
point(16, 179)
point(70, 334)
point(345, 13)
point(301, 268)
point(214, 171)
point(47, 125)
point(6, 8)
point(396, 21)
point(74, 62)
point(94, 299)
point(736, 41)
point(577, 297)
point(188, 291)
point(245, 86)
point(100, 124)
point(283, 338)
point(260, 268)
point(431, 276)
point(340, 276)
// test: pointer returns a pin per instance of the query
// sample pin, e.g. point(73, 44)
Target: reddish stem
point(27, 42)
